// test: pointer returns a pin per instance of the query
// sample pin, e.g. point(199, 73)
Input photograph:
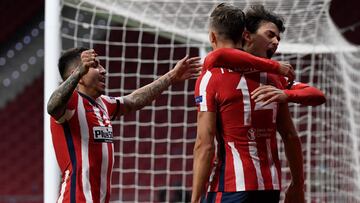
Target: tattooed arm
point(184, 69)
point(56, 105)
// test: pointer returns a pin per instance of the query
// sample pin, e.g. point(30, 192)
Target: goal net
point(140, 40)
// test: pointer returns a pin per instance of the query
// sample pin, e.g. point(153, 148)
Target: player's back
point(247, 151)
point(229, 94)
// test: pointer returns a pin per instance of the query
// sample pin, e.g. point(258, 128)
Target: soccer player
point(246, 167)
point(81, 121)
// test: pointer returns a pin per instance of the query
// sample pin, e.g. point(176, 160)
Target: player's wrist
point(281, 70)
point(172, 77)
point(287, 95)
point(169, 78)
point(81, 70)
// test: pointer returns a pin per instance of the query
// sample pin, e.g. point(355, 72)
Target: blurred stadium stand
point(21, 101)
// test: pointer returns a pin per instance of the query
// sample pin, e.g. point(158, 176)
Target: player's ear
point(212, 37)
point(246, 36)
point(81, 81)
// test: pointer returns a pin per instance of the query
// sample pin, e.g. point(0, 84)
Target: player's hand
point(268, 94)
point(295, 194)
point(88, 59)
point(287, 70)
point(186, 68)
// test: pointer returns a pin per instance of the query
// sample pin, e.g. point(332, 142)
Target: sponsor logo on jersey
point(102, 134)
point(198, 99)
point(264, 132)
point(254, 133)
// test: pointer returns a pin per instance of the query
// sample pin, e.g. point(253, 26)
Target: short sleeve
point(205, 92)
point(114, 105)
point(70, 108)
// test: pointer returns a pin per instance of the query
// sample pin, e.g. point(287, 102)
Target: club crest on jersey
point(198, 99)
point(251, 134)
point(102, 134)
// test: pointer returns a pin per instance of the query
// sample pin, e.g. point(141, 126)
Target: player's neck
point(226, 44)
point(88, 92)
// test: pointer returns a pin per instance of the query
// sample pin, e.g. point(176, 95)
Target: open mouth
point(269, 53)
point(102, 79)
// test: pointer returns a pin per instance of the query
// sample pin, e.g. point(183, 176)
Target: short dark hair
point(68, 58)
point(228, 21)
point(257, 14)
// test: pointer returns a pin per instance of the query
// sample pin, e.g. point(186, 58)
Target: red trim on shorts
point(218, 197)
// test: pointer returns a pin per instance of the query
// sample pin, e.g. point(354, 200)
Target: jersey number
point(243, 87)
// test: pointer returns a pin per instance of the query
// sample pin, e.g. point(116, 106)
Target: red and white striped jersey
point(83, 143)
point(247, 155)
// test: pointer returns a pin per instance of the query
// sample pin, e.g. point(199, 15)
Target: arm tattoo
point(58, 100)
point(145, 95)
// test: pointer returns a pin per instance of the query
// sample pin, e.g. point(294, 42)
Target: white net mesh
point(140, 40)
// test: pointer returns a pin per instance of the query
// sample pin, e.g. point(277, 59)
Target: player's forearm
point(239, 61)
point(293, 152)
point(204, 150)
point(292, 144)
point(308, 95)
point(202, 164)
point(145, 95)
point(58, 100)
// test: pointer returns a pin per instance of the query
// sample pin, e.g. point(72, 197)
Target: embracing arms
point(300, 93)
point(242, 61)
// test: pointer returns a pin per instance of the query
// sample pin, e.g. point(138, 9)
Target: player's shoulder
point(209, 77)
point(215, 74)
point(73, 101)
point(110, 100)
point(107, 98)
point(220, 71)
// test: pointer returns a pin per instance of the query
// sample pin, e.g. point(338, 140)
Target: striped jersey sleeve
point(205, 92)
point(114, 105)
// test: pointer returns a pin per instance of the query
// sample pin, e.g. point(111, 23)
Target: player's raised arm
point(58, 100)
point(242, 61)
point(185, 68)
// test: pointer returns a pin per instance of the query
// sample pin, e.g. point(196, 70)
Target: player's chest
point(96, 115)
point(99, 124)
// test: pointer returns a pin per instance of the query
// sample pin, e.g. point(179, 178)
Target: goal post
point(51, 79)
point(139, 40)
